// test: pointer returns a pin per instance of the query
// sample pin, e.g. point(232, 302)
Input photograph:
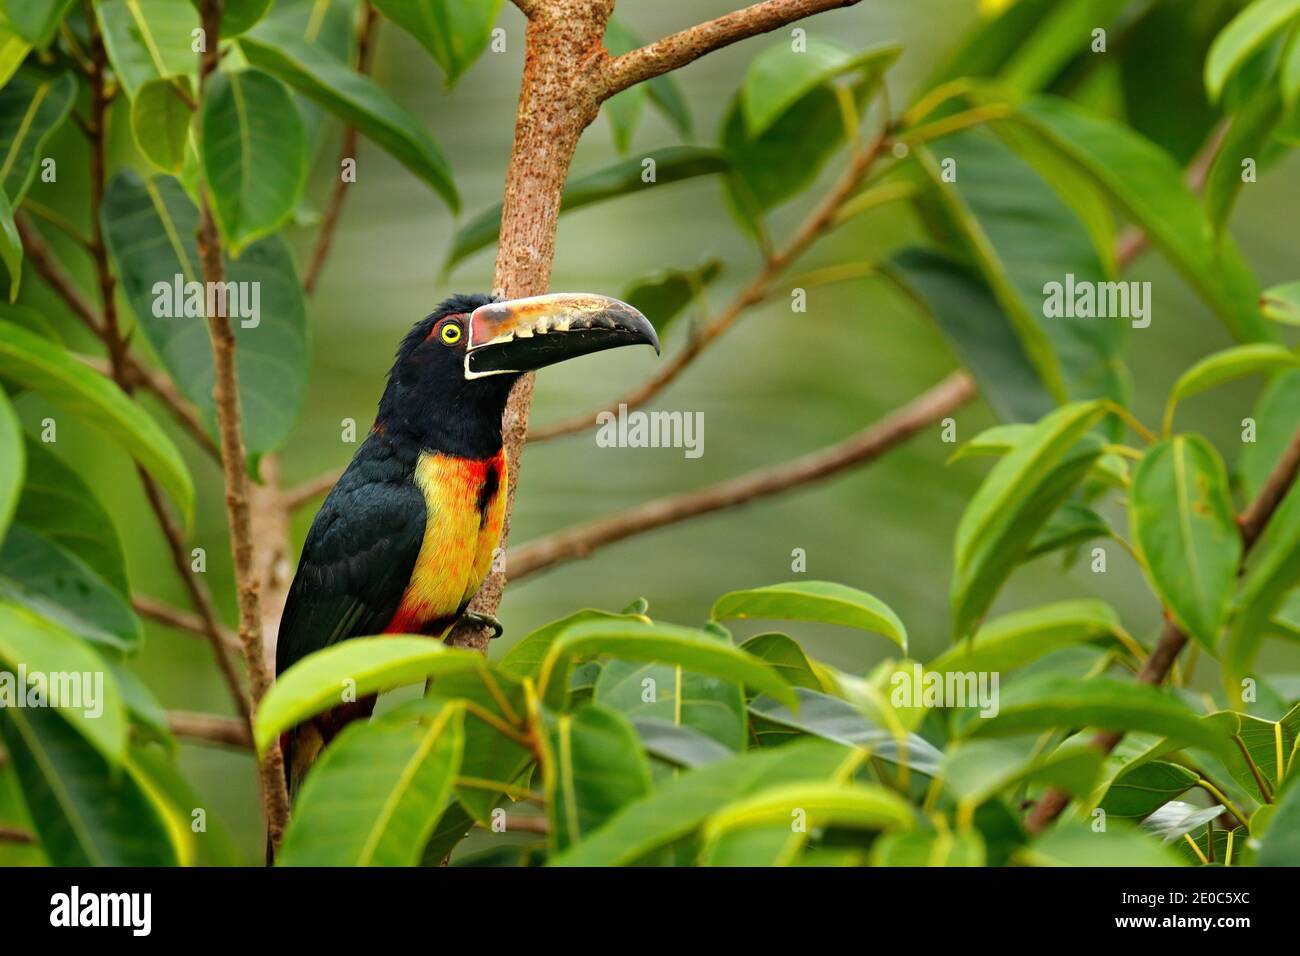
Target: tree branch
point(351, 141)
point(10, 834)
point(210, 727)
point(822, 218)
point(180, 620)
point(49, 269)
point(864, 447)
point(235, 466)
point(299, 495)
point(1253, 521)
point(689, 45)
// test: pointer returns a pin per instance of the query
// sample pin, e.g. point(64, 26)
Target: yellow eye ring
point(450, 334)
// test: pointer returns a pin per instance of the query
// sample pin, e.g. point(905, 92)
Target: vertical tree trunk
point(557, 101)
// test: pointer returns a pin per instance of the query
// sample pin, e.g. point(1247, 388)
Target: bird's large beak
point(522, 335)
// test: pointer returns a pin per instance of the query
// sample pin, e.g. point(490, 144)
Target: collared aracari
point(406, 536)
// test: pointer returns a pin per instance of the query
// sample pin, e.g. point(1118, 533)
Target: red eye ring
point(448, 331)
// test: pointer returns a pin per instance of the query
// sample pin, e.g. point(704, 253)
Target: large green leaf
point(1021, 637)
point(663, 295)
point(356, 667)
point(1260, 358)
point(374, 796)
point(160, 122)
point(1054, 701)
point(356, 99)
point(1077, 844)
point(13, 467)
point(86, 811)
point(53, 373)
point(1014, 502)
point(1184, 526)
point(1148, 186)
point(525, 659)
point(93, 710)
point(13, 48)
point(1276, 416)
point(596, 767)
point(1146, 788)
point(1280, 845)
point(784, 653)
point(254, 152)
point(32, 106)
point(1066, 32)
point(150, 228)
point(455, 32)
point(970, 318)
point(675, 696)
point(685, 647)
point(781, 76)
point(36, 21)
point(823, 602)
point(831, 718)
point(682, 804)
point(239, 16)
point(148, 39)
point(43, 575)
point(672, 164)
point(1259, 22)
point(678, 744)
point(978, 770)
point(61, 507)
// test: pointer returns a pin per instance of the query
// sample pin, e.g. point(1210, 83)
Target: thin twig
point(180, 620)
point(673, 52)
point(10, 834)
point(299, 495)
point(49, 269)
point(351, 142)
point(211, 727)
point(1172, 638)
point(822, 218)
point(863, 447)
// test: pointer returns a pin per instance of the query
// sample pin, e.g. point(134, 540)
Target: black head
point(448, 387)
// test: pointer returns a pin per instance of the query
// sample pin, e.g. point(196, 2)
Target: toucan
point(406, 536)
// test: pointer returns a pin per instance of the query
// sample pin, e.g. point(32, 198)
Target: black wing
point(356, 562)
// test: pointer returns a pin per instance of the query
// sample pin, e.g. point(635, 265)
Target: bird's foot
point(485, 620)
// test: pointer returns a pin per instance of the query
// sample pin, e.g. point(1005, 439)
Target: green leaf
point(36, 21)
point(1056, 701)
point(925, 848)
point(681, 805)
point(676, 696)
point(823, 602)
point(1146, 788)
point(672, 164)
point(1281, 303)
point(94, 711)
point(1073, 524)
point(678, 744)
point(1280, 845)
point(1022, 637)
point(596, 767)
point(780, 76)
point(375, 795)
point(663, 90)
point(977, 770)
point(976, 326)
point(1015, 500)
point(1147, 185)
point(525, 659)
point(254, 153)
point(773, 811)
point(86, 811)
point(13, 48)
point(662, 296)
point(60, 506)
point(1275, 414)
point(51, 371)
point(356, 99)
point(240, 16)
point(1259, 22)
point(1176, 818)
point(1184, 526)
point(455, 32)
point(685, 647)
point(148, 40)
point(837, 720)
point(1063, 34)
point(360, 666)
point(1266, 588)
point(785, 654)
point(11, 247)
point(13, 467)
point(160, 122)
point(32, 106)
point(42, 575)
point(1260, 358)
point(1077, 844)
point(1246, 138)
point(150, 228)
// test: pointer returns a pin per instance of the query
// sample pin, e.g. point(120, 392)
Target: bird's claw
point(485, 620)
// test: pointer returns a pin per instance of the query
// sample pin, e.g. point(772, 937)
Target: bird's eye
point(451, 333)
